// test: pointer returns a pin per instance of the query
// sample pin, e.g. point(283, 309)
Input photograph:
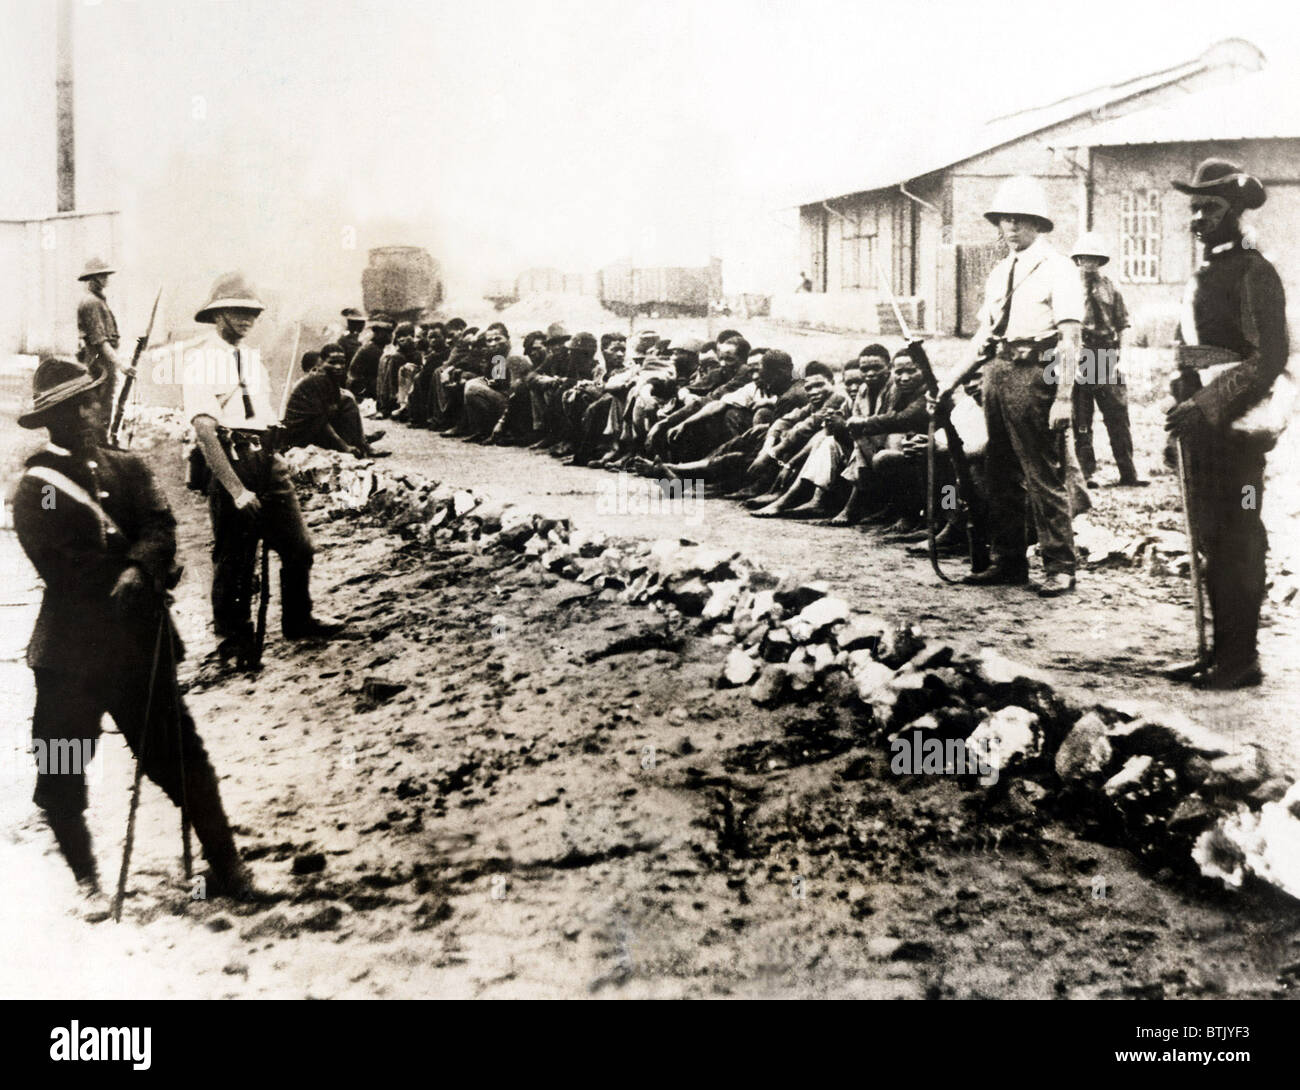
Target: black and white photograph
point(732, 499)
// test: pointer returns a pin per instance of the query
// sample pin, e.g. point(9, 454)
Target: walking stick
point(1194, 554)
point(139, 774)
point(187, 857)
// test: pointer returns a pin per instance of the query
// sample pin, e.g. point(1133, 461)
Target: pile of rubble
point(1163, 785)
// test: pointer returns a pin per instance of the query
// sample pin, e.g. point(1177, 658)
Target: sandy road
point(1102, 643)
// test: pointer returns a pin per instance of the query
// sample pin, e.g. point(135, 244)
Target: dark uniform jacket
point(1238, 303)
point(79, 557)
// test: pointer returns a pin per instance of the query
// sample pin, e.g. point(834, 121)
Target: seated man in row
point(321, 412)
point(773, 393)
point(797, 447)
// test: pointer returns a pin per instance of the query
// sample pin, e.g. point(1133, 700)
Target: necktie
point(243, 390)
point(1005, 319)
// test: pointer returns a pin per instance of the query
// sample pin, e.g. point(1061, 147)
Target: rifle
point(940, 416)
point(140, 345)
point(976, 535)
point(271, 445)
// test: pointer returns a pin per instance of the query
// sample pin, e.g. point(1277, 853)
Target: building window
point(857, 252)
point(1139, 234)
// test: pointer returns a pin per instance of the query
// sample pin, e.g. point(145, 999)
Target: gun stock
point(976, 531)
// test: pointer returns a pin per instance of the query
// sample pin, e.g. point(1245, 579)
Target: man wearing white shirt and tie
point(1033, 309)
point(250, 496)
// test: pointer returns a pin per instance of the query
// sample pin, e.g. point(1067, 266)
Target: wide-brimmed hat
point(96, 267)
point(57, 379)
point(556, 332)
point(1020, 196)
point(1223, 178)
point(230, 292)
point(1090, 245)
point(353, 315)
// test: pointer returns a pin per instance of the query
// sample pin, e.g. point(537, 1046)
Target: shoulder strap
point(76, 493)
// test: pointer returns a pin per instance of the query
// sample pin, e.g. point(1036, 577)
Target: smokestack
point(66, 150)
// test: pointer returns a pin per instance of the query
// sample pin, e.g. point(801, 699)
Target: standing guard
point(1033, 306)
point(97, 331)
point(101, 536)
point(250, 496)
point(1101, 385)
point(1235, 323)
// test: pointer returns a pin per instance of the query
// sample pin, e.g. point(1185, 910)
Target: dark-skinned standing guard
point(100, 534)
point(1235, 323)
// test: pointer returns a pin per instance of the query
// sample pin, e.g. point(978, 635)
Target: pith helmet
point(229, 292)
point(57, 379)
point(1090, 245)
point(1221, 178)
point(96, 267)
point(1020, 196)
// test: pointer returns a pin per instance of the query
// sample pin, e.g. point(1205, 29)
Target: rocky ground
point(510, 784)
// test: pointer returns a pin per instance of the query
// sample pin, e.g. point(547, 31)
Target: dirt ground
point(481, 795)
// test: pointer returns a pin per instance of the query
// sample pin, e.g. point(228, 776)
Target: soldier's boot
point(1184, 671)
point(228, 874)
point(73, 837)
point(297, 621)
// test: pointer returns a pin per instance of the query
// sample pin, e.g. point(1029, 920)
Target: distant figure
point(805, 284)
point(97, 328)
point(351, 340)
point(1104, 320)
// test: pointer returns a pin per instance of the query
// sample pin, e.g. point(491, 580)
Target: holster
point(1027, 349)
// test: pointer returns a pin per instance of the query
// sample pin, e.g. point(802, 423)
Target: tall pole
point(65, 129)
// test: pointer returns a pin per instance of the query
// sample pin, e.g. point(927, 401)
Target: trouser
point(575, 402)
point(449, 388)
point(386, 385)
point(235, 537)
point(345, 420)
point(1227, 491)
point(701, 438)
point(105, 395)
point(727, 465)
point(1109, 393)
point(1025, 464)
point(66, 730)
point(545, 392)
point(417, 408)
point(484, 406)
point(591, 431)
point(901, 480)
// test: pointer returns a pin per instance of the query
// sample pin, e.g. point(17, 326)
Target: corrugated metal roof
point(895, 167)
point(1259, 106)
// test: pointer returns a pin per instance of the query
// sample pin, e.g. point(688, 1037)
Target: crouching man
point(102, 537)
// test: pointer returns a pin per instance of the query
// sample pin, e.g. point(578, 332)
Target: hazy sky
point(503, 133)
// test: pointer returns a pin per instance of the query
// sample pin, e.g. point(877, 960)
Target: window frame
point(864, 230)
point(1141, 236)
